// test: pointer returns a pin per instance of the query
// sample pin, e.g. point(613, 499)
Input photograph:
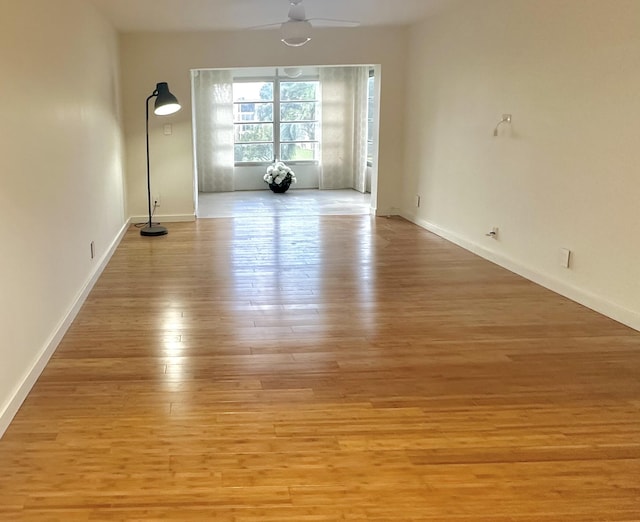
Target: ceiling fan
point(296, 31)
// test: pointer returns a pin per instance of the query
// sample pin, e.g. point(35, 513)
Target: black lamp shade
point(166, 103)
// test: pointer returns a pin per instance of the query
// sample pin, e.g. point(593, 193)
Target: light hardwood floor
point(323, 369)
point(294, 202)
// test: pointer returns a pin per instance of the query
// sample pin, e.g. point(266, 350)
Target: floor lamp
point(166, 103)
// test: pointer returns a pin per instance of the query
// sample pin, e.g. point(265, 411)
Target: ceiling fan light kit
point(292, 72)
point(296, 33)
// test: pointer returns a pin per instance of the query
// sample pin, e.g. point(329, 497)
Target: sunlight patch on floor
point(293, 202)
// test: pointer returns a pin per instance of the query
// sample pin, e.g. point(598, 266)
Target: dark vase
point(282, 188)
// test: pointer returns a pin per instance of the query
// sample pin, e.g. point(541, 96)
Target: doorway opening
point(321, 121)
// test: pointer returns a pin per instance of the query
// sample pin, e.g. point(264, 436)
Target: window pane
point(252, 91)
point(252, 112)
point(298, 151)
point(298, 91)
point(370, 152)
point(297, 111)
point(255, 152)
point(253, 132)
point(298, 131)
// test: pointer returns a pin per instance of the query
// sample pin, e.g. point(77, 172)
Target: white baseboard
point(168, 218)
point(593, 301)
point(13, 405)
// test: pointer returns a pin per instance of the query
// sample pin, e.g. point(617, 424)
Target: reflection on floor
point(293, 202)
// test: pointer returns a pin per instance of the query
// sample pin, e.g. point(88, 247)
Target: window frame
point(277, 119)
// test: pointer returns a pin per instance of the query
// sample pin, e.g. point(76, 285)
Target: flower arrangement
point(279, 174)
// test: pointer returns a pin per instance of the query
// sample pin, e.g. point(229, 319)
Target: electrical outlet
point(417, 200)
point(93, 250)
point(565, 258)
point(155, 200)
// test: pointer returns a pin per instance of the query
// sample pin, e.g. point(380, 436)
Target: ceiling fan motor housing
point(296, 11)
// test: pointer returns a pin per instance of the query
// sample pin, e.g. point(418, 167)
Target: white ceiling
point(217, 15)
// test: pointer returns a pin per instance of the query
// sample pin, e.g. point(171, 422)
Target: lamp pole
point(150, 230)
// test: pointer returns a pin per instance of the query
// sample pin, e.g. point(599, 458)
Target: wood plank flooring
point(295, 202)
point(326, 368)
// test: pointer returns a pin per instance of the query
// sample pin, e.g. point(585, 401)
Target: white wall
point(148, 58)
point(62, 183)
point(251, 177)
point(566, 174)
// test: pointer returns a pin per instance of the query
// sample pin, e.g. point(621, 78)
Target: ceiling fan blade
point(329, 22)
point(266, 26)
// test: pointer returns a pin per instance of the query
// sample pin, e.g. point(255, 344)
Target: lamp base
point(153, 231)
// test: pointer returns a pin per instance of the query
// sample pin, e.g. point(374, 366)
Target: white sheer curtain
point(213, 110)
point(344, 127)
point(361, 105)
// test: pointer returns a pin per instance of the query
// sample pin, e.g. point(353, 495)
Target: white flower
point(278, 173)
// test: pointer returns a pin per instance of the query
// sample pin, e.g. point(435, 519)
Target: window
point(370, 125)
point(253, 121)
point(276, 118)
